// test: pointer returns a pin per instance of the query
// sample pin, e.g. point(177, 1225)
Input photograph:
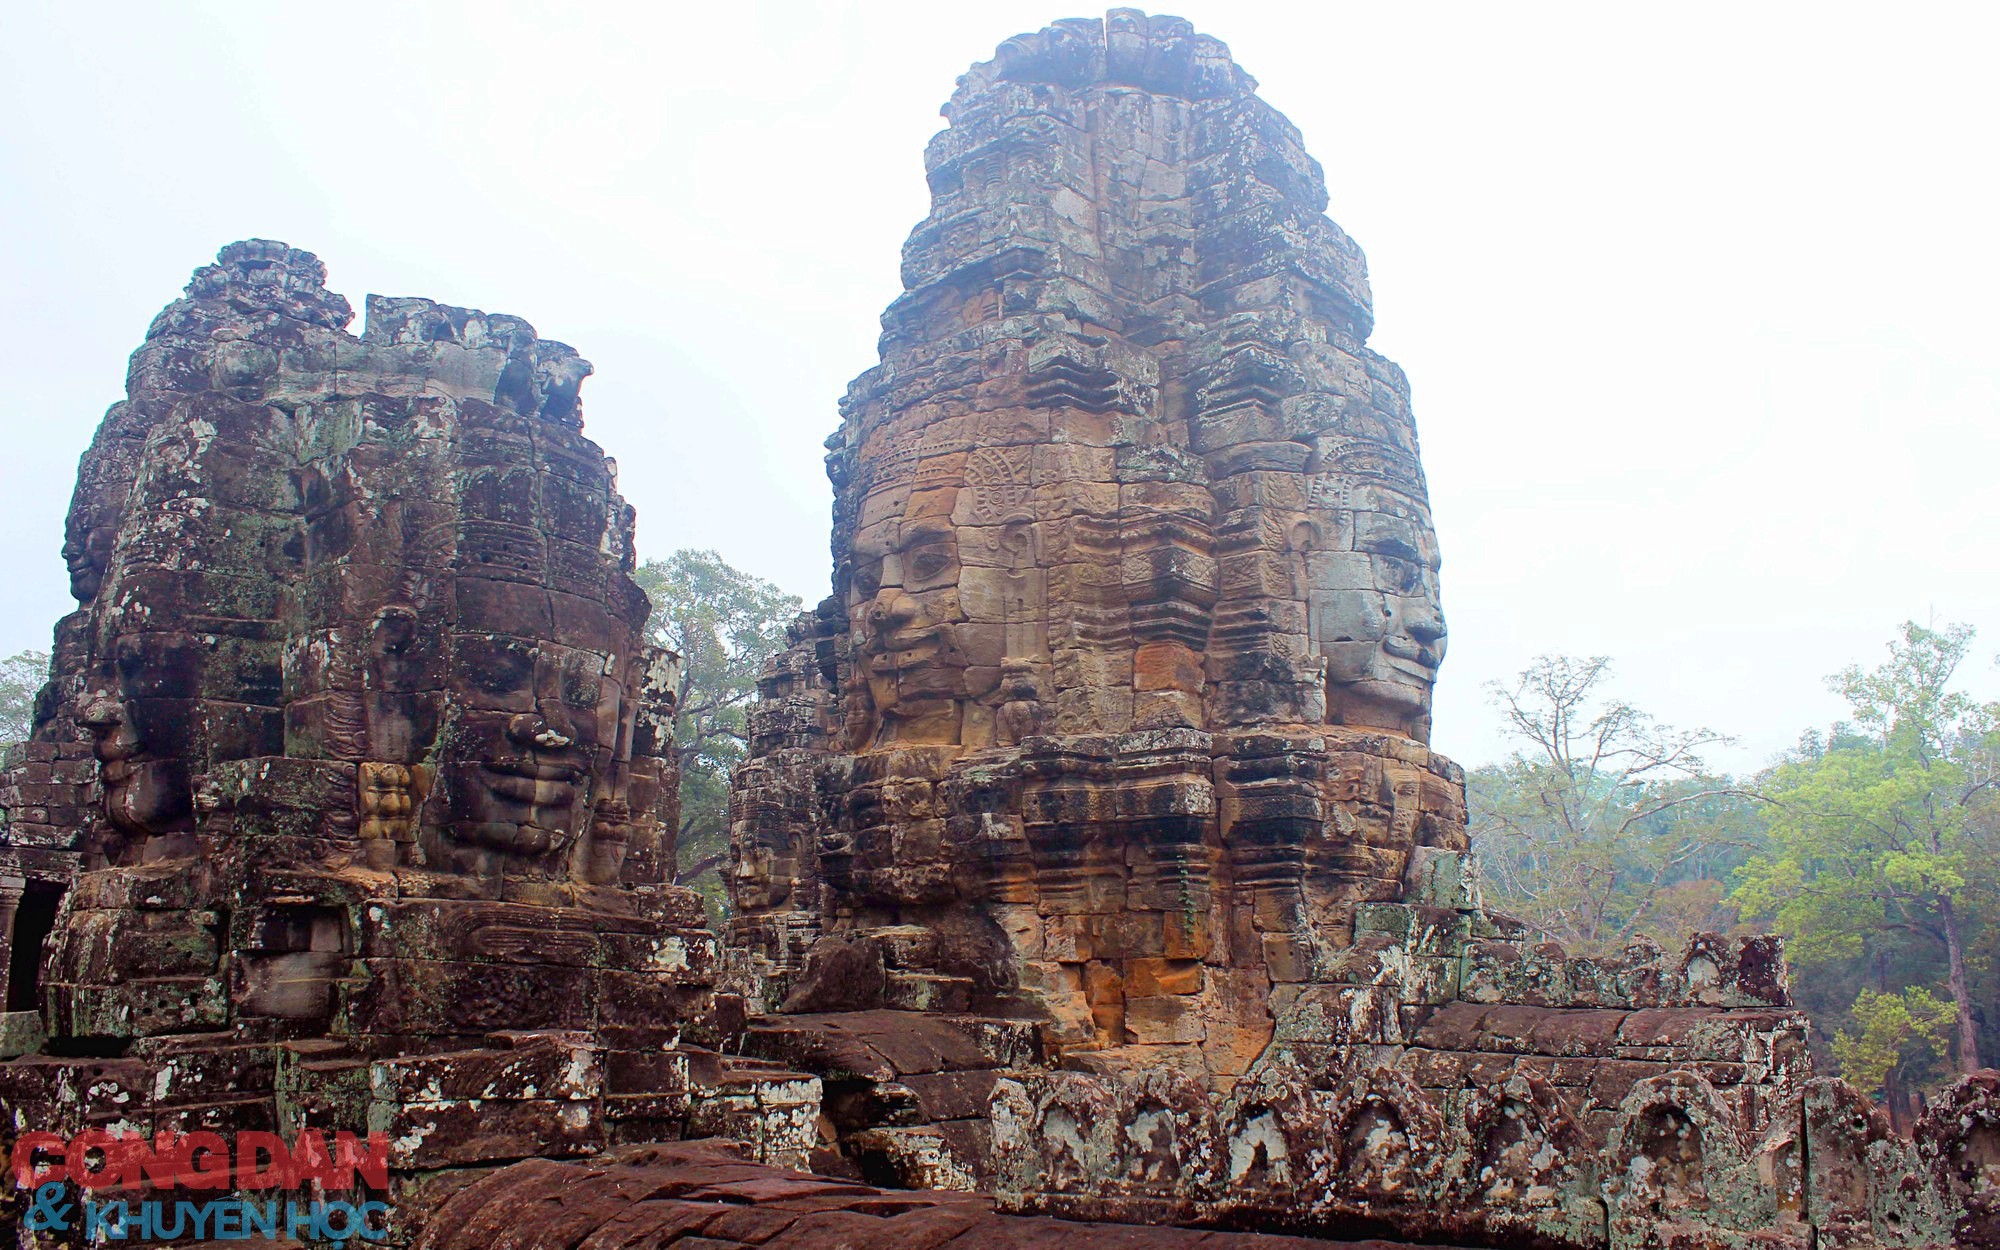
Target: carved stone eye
point(928, 562)
point(583, 678)
point(504, 670)
point(1404, 576)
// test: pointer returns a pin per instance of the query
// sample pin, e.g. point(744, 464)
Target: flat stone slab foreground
point(703, 1194)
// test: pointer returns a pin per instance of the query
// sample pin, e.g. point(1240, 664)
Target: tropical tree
point(1603, 824)
point(726, 625)
point(21, 678)
point(1901, 1038)
point(1883, 833)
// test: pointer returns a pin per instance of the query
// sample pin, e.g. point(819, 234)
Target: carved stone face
point(145, 792)
point(357, 628)
point(536, 727)
point(1128, 524)
point(86, 551)
point(904, 603)
point(150, 727)
point(90, 529)
point(1382, 645)
point(759, 879)
point(1375, 614)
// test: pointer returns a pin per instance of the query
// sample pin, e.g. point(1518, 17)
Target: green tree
point(726, 625)
point(1902, 1037)
point(1603, 824)
point(1883, 832)
point(21, 678)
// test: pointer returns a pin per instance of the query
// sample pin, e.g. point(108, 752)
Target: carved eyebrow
point(1382, 544)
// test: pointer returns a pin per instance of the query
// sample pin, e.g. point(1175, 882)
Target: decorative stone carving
point(1117, 722)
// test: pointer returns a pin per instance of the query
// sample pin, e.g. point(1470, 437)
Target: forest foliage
point(1873, 847)
point(21, 678)
point(726, 625)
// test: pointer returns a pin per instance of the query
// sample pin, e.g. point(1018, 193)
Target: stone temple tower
point(1121, 700)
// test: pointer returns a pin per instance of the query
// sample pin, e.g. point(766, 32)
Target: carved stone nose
point(101, 713)
point(548, 729)
point(1427, 628)
point(893, 611)
point(529, 729)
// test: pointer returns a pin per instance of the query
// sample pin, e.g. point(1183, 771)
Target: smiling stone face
point(395, 559)
point(92, 524)
point(905, 610)
point(1374, 605)
point(534, 739)
point(144, 782)
point(185, 670)
point(367, 738)
point(176, 545)
point(499, 656)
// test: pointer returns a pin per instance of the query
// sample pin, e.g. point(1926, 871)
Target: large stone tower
point(355, 760)
point(1117, 721)
point(1122, 695)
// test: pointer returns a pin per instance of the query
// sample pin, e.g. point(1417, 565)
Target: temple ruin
point(1094, 877)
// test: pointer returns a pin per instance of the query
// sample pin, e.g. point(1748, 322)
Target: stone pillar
point(11, 889)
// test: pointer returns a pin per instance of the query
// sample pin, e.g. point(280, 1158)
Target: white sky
point(1698, 300)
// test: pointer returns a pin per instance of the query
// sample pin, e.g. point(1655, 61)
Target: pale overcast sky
point(1698, 300)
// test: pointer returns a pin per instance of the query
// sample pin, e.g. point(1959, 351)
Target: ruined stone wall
point(1447, 1077)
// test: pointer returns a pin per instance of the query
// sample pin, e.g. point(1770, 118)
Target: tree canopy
point(1873, 847)
point(726, 625)
point(1603, 824)
point(21, 678)
point(1884, 842)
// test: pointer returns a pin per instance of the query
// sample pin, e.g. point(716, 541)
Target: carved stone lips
point(537, 782)
point(1411, 650)
point(897, 645)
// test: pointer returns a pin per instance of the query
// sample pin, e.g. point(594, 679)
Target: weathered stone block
point(1151, 976)
point(910, 991)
